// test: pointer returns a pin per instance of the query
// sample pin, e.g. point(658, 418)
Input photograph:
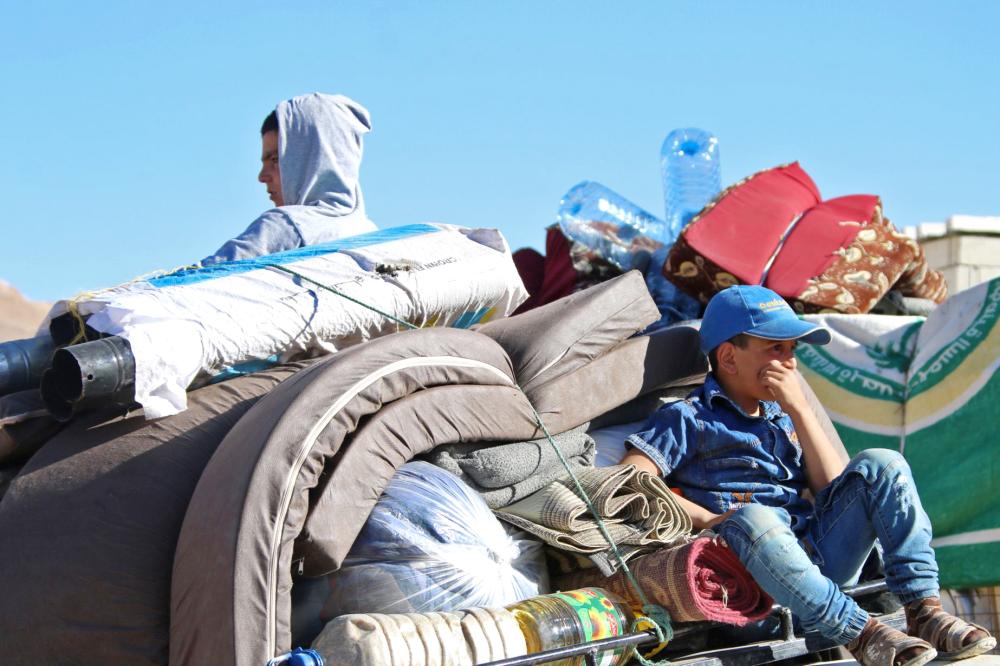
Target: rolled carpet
point(699, 580)
point(637, 508)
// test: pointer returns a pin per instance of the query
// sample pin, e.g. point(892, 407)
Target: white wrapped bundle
point(198, 324)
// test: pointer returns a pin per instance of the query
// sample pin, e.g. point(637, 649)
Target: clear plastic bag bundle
point(431, 544)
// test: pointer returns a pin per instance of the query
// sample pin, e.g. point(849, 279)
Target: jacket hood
point(319, 156)
point(319, 151)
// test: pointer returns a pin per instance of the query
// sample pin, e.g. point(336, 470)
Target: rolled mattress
point(290, 487)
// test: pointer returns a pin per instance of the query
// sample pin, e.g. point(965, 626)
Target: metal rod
point(787, 624)
point(590, 650)
point(582, 650)
point(862, 589)
point(859, 590)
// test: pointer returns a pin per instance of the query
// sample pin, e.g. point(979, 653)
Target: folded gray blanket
point(506, 473)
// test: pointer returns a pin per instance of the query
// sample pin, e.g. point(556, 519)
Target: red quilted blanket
point(699, 580)
point(774, 229)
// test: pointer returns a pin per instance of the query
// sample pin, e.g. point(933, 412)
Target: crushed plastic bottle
point(619, 231)
point(569, 618)
point(298, 657)
point(689, 166)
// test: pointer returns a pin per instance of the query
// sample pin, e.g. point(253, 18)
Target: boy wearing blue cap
point(743, 450)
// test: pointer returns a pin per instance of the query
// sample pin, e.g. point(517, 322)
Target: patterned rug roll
point(699, 580)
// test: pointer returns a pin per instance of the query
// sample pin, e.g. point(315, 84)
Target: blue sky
point(131, 129)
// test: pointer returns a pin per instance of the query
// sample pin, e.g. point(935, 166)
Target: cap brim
point(792, 329)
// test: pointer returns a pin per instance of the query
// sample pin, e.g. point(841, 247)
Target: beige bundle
point(462, 638)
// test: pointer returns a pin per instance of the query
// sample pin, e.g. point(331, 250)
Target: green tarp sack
point(930, 390)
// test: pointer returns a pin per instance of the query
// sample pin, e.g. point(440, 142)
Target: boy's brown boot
point(881, 645)
point(953, 637)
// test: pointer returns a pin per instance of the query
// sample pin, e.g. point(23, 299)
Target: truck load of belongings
point(230, 531)
point(183, 538)
point(928, 388)
point(197, 325)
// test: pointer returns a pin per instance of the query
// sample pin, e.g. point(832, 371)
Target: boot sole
point(975, 649)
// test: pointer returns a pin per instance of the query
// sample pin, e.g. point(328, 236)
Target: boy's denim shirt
point(709, 450)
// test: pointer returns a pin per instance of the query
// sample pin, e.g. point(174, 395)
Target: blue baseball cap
point(756, 311)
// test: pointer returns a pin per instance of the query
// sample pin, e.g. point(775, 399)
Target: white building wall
point(968, 253)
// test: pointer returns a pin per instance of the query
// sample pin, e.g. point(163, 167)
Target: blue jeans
point(874, 497)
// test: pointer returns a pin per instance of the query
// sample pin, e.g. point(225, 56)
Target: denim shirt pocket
point(740, 464)
point(734, 479)
point(733, 451)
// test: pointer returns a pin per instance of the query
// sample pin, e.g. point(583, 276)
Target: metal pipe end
point(22, 363)
point(60, 408)
point(88, 375)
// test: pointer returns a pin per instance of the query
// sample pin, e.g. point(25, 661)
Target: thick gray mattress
point(88, 530)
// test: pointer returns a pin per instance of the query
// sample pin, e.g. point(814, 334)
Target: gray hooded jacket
point(319, 156)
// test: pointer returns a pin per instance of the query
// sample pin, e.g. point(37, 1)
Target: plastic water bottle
point(298, 657)
point(615, 228)
point(570, 618)
point(689, 165)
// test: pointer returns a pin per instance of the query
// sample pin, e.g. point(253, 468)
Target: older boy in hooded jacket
point(311, 157)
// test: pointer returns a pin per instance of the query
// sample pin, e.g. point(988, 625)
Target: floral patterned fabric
point(839, 255)
point(878, 258)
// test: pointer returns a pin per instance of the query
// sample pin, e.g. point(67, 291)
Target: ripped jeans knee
point(763, 540)
point(875, 497)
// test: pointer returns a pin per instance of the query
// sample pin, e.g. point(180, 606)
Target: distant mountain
point(19, 317)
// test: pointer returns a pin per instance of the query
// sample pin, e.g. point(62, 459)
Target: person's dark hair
point(741, 341)
point(270, 124)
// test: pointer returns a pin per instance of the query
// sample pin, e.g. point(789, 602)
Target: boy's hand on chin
point(781, 381)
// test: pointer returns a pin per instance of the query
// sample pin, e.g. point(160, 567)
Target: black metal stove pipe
point(66, 328)
point(22, 363)
point(88, 376)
